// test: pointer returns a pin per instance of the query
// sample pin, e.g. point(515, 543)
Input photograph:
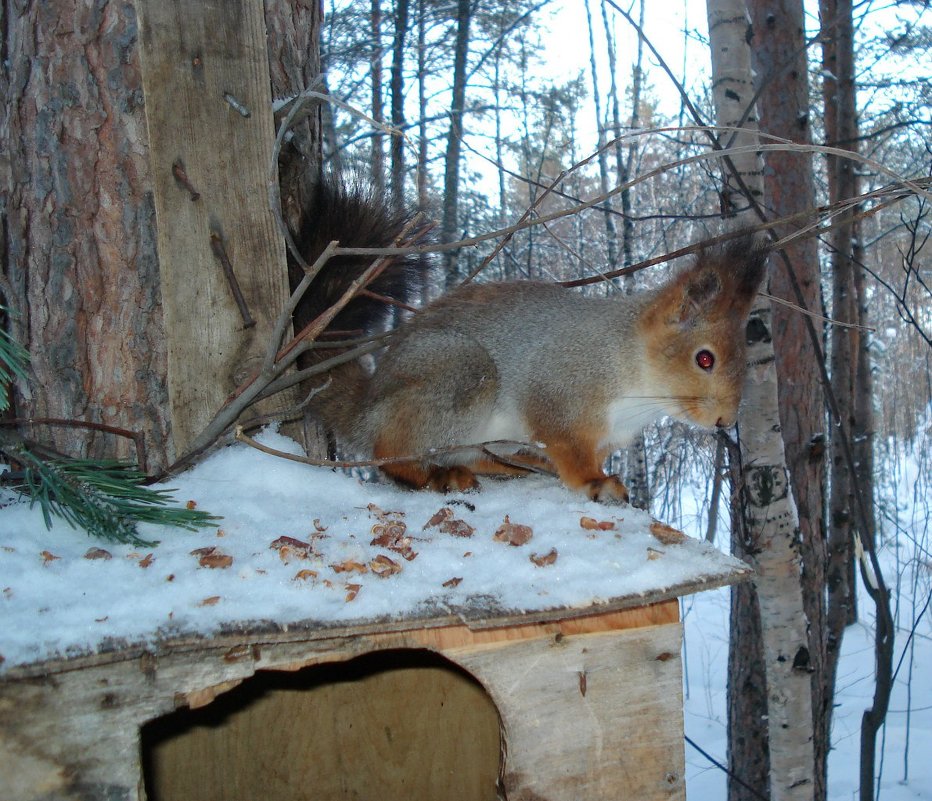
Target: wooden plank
point(452, 641)
point(585, 714)
point(459, 639)
point(403, 632)
point(596, 716)
point(194, 54)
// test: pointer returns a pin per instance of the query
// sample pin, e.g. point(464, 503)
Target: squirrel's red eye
point(705, 359)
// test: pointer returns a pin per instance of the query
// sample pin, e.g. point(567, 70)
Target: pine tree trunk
point(79, 214)
point(293, 31)
point(841, 131)
point(378, 114)
point(398, 107)
point(780, 65)
point(294, 64)
point(423, 193)
point(498, 94)
point(770, 522)
point(851, 503)
point(80, 221)
point(451, 185)
point(837, 60)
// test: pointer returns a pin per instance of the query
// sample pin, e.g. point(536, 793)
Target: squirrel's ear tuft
point(747, 256)
point(694, 291)
point(702, 286)
point(687, 297)
point(742, 265)
point(721, 283)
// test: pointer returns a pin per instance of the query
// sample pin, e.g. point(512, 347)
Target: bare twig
point(241, 436)
point(137, 437)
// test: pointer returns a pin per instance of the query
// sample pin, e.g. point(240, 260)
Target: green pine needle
point(13, 361)
point(107, 498)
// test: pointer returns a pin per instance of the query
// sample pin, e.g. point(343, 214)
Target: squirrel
point(573, 376)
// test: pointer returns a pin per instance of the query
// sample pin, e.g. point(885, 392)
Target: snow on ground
point(705, 666)
point(903, 756)
point(57, 601)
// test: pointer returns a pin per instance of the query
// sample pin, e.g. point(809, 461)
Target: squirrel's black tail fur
point(333, 209)
point(351, 214)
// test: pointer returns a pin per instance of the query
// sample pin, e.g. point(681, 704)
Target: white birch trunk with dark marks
point(770, 521)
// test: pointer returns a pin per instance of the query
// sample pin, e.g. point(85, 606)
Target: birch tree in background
point(611, 234)
point(780, 64)
point(768, 523)
point(636, 452)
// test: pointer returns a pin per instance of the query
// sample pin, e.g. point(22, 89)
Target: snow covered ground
point(706, 619)
point(55, 599)
point(905, 756)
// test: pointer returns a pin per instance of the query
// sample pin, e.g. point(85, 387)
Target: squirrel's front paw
point(452, 479)
point(609, 489)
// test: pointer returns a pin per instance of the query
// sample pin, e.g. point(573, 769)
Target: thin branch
point(137, 437)
point(241, 436)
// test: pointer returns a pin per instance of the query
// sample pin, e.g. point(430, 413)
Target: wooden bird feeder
point(470, 703)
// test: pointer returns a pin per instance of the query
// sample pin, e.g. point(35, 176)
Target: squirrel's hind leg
point(578, 460)
point(432, 392)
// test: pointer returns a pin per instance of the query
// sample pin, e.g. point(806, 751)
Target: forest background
point(478, 112)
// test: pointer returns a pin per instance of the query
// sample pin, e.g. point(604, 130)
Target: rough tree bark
point(79, 216)
point(423, 193)
point(398, 106)
point(778, 53)
point(375, 77)
point(851, 502)
point(80, 224)
point(294, 65)
point(768, 532)
point(841, 131)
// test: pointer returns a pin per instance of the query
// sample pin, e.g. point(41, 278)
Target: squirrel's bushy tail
point(350, 213)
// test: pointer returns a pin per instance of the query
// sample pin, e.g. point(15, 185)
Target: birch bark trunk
point(611, 235)
point(768, 512)
point(636, 453)
point(779, 59)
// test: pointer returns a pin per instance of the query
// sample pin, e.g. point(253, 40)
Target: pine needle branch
point(106, 498)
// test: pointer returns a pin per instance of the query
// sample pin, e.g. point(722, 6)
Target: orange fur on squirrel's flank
point(574, 377)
